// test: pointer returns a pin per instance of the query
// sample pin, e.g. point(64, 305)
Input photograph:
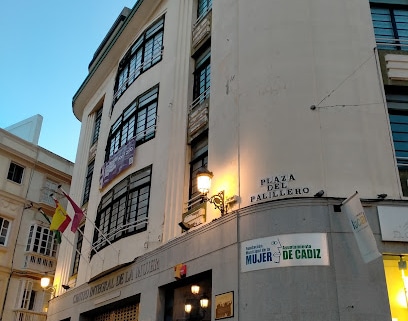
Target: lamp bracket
point(218, 201)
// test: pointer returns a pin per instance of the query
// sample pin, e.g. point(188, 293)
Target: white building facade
point(28, 249)
point(293, 107)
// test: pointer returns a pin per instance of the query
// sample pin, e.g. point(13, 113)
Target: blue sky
point(46, 47)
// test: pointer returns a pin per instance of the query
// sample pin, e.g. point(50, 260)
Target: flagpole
point(77, 251)
point(93, 224)
point(348, 198)
point(90, 243)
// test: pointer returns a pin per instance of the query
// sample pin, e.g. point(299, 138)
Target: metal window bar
point(111, 235)
point(202, 15)
point(392, 42)
point(199, 99)
point(120, 90)
point(195, 200)
point(402, 162)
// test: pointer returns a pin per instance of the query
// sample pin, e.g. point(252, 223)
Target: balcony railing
point(391, 44)
point(38, 262)
point(28, 315)
point(198, 114)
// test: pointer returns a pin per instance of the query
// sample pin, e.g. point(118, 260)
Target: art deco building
point(290, 107)
point(28, 249)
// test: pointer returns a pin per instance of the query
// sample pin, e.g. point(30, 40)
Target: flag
point(57, 234)
point(79, 214)
point(361, 228)
point(60, 220)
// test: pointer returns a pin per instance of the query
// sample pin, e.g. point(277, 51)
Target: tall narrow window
point(77, 257)
point(49, 188)
point(199, 158)
point(203, 7)
point(145, 53)
point(202, 75)
point(15, 173)
point(4, 230)
point(390, 26)
point(397, 102)
point(97, 126)
point(88, 181)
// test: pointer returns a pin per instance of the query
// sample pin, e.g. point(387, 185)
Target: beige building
point(293, 106)
point(28, 249)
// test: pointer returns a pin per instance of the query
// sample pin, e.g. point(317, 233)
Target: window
point(41, 241)
point(97, 126)
point(390, 26)
point(49, 188)
point(124, 209)
point(88, 182)
point(202, 75)
point(77, 258)
point(199, 158)
point(138, 120)
point(203, 7)
point(15, 173)
point(145, 52)
point(28, 295)
point(398, 111)
point(4, 230)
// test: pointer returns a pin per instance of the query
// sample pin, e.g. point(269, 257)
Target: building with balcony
point(28, 249)
point(289, 108)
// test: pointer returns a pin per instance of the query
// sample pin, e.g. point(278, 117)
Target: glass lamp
point(195, 289)
point(45, 281)
point(204, 177)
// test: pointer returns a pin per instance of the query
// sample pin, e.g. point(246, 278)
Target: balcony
point(39, 263)
point(28, 315)
point(393, 56)
point(198, 115)
point(201, 29)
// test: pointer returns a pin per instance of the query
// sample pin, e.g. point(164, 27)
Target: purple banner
point(118, 162)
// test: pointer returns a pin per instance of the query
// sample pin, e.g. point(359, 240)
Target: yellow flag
point(60, 220)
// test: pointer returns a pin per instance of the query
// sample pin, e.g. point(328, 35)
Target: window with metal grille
point(41, 241)
point(77, 257)
point(199, 158)
point(138, 120)
point(15, 173)
point(49, 188)
point(88, 182)
point(390, 26)
point(203, 7)
point(202, 77)
point(397, 103)
point(123, 211)
point(97, 126)
point(145, 53)
point(127, 313)
point(4, 230)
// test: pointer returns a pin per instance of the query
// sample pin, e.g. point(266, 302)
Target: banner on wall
point(361, 229)
point(121, 160)
point(303, 249)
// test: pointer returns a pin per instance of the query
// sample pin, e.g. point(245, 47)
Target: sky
point(45, 50)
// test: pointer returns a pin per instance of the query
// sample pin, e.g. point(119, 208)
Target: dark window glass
point(202, 75)
point(145, 53)
point(88, 181)
point(397, 104)
point(138, 120)
point(97, 126)
point(4, 229)
point(390, 27)
point(78, 247)
point(123, 210)
point(15, 173)
point(203, 7)
point(199, 158)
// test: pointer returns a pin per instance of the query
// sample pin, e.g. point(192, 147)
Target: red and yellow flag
point(60, 220)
